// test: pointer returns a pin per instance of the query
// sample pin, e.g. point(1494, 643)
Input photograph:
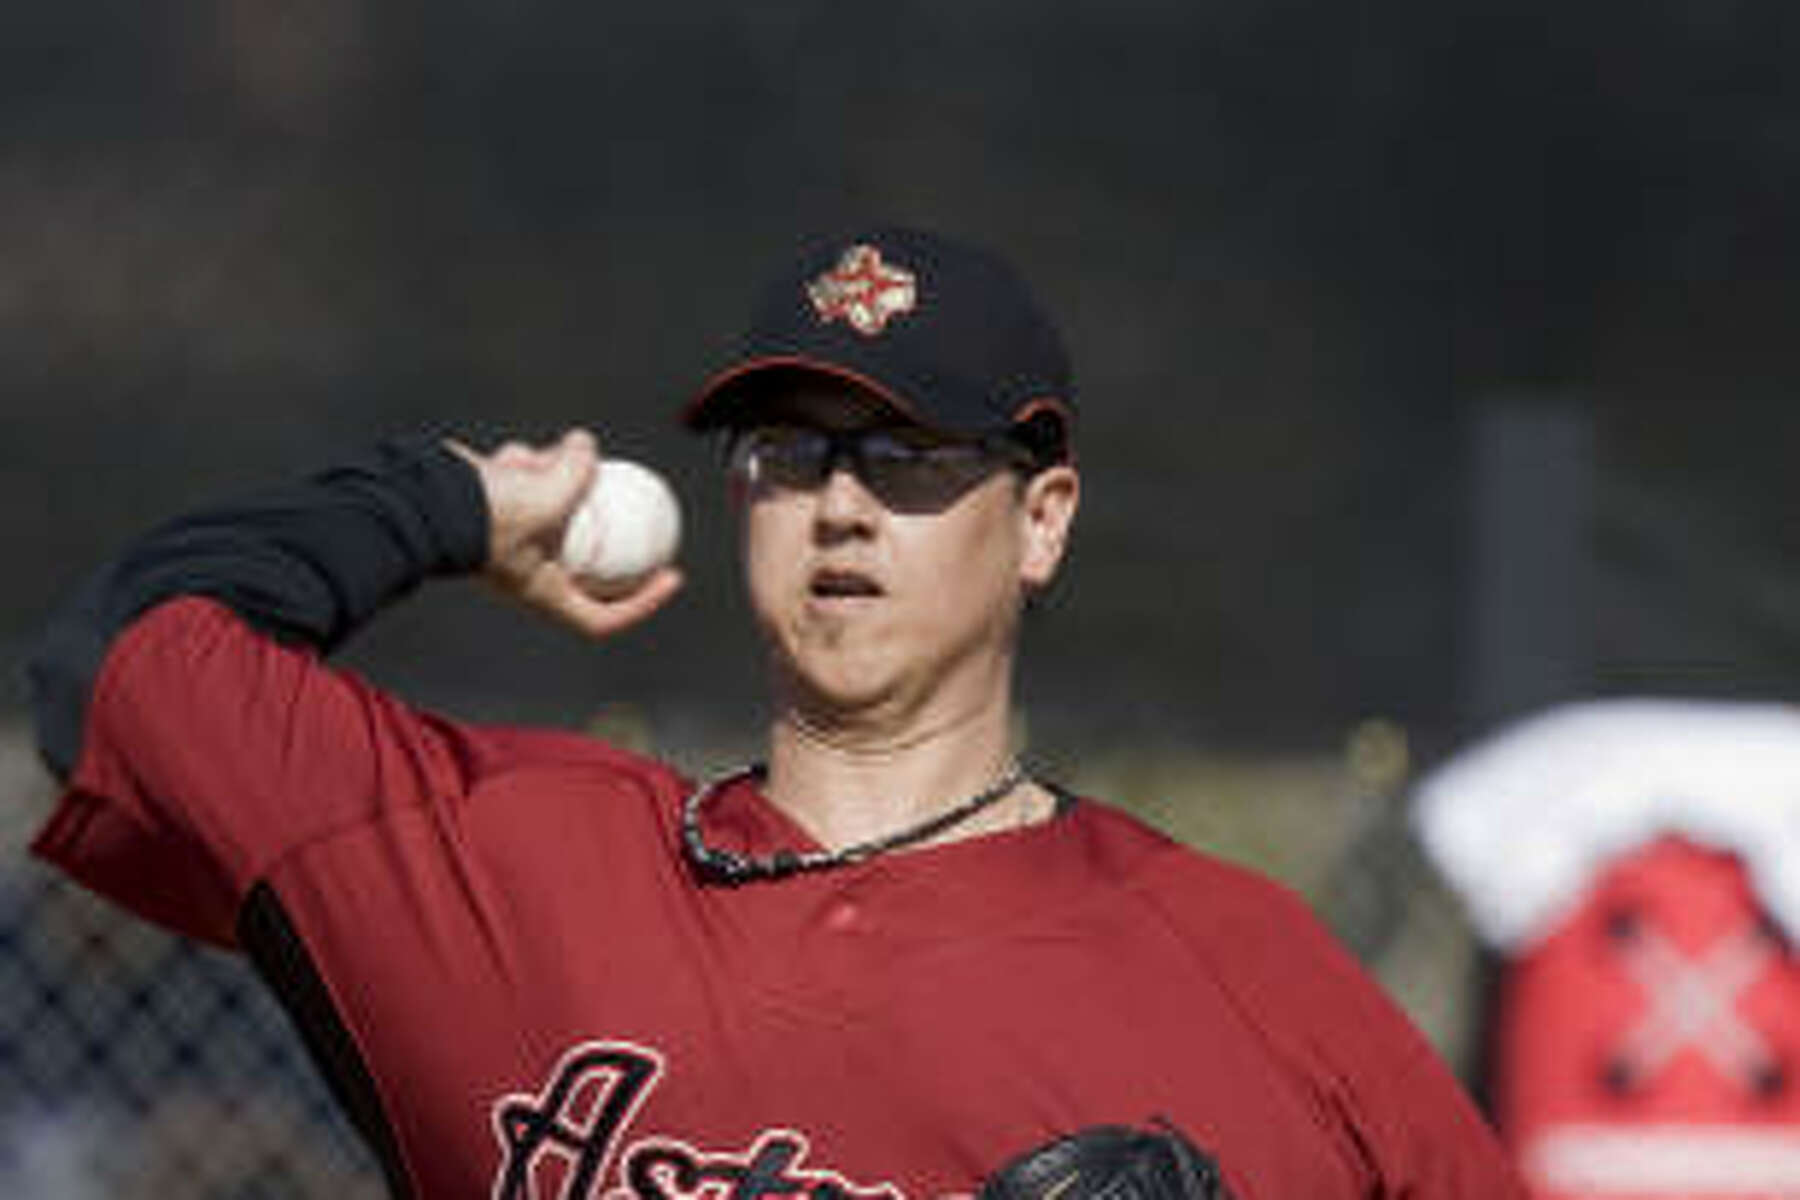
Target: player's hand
point(531, 493)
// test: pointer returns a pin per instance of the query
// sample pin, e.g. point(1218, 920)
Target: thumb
point(530, 492)
point(566, 475)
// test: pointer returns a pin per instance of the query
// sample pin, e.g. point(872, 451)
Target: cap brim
point(724, 394)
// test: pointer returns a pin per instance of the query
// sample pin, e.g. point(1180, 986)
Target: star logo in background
point(863, 291)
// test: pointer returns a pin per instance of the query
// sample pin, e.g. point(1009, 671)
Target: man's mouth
point(840, 584)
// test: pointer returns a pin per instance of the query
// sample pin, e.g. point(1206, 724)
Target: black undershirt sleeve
point(306, 564)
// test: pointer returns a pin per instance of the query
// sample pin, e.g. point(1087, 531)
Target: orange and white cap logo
point(863, 291)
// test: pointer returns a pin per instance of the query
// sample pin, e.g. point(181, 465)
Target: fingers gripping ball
point(1110, 1162)
point(627, 526)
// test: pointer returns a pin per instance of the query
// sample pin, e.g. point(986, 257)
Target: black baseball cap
point(944, 331)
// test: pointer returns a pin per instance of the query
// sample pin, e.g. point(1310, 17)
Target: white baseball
point(627, 525)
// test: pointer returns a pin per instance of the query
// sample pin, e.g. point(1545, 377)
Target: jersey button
point(843, 917)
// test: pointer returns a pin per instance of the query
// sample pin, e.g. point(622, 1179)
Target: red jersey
point(550, 1002)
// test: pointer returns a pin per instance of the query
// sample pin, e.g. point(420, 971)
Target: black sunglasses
point(907, 470)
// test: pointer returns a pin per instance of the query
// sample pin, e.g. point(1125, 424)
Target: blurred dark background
point(1435, 356)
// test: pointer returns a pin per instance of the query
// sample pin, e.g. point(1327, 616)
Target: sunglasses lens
point(790, 459)
point(911, 475)
point(907, 474)
point(886, 463)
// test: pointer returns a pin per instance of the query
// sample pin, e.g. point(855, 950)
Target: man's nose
point(845, 501)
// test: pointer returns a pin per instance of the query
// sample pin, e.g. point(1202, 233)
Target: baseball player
point(884, 961)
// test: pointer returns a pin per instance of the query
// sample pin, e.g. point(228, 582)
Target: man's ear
point(1046, 513)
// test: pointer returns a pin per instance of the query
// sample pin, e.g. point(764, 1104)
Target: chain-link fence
point(134, 1064)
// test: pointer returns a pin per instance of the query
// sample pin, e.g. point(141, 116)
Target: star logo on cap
point(863, 291)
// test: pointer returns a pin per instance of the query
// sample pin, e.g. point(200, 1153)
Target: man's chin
point(849, 703)
point(840, 697)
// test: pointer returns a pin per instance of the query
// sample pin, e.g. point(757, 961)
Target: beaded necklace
point(726, 866)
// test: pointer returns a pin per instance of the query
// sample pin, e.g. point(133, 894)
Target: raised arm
point(308, 563)
point(183, 700)
point(305, 564)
